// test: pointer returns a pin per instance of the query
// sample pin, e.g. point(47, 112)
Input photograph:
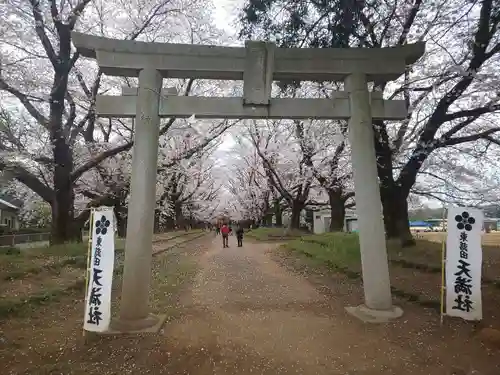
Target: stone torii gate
point(258, 64)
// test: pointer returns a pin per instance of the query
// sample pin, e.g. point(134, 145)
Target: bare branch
point(95, 161)
point(30, 180)
point(35, 113)
point(40, 30)
point(76, 12)
point(470, 138)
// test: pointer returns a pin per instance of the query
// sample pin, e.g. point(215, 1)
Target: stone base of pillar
point(368, 315)
point(151, 324)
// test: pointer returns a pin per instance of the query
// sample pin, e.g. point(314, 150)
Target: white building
point(287, 216)
point(9, 215)
point(322, 218)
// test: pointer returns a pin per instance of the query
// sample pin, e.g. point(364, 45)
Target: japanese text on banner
point(463, 263)
point(98, 297)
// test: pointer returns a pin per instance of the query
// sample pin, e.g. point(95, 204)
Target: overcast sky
point(225, 14)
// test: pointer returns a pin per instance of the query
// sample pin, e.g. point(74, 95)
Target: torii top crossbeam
point(127, 58)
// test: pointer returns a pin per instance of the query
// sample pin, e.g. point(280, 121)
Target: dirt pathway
point(248, 315)
point(245, 313)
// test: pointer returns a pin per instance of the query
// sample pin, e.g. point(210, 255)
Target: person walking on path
point(217, 230)
point(225, 233)
point(239, 235)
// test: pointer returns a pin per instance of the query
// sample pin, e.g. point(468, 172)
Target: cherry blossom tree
point(250, 186)
point(332, 168)
point(287, 161)
point(185, 185)
point(452, 92)
point(56, 88)
point(467, 175)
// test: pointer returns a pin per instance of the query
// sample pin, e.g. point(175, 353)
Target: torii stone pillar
point(376, 282)
point(134, 308)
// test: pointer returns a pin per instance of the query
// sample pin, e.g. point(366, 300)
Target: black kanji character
point(97, 252)
point(96, 277)
point(462, 269)
point(463, 246)
point(94, 315)
point(463, 236)
point(99, 241)
point(464, 255)
point(95, 296)
point(463, 285)
point(97, 261)
point(463, 305)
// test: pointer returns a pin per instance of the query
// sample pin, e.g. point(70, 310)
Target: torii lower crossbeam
point(234, 108)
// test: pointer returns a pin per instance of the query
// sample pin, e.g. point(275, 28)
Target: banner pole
point(443, 268)
point(89, 250)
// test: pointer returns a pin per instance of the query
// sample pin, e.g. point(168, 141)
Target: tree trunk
point(394, 199)
point(390, 208)
point(268, 220)
point(121, 226)
point(278, 213)
point(337, 210)
point(267, 217)
point(169, 223)
point(295, 218)
point(63, 226)
point(179, 218)
point(386, 177)
point(396, 219)
point(121, 212)
point(156, 227)
point(405, 234)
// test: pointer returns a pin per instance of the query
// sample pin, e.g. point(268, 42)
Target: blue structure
point(420, 224)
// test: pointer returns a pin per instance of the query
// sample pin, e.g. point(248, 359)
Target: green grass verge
point(18, 306)
point(340, 252)
point(274, 234)
point(75, 255)
point(339, 249)
point(17, 265)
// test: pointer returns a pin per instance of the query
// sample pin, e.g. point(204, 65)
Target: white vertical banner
point(463, 263)
point(101, 265)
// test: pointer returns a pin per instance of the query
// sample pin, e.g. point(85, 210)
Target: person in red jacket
point(225, 233)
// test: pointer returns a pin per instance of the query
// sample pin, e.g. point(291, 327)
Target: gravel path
point(247, 315)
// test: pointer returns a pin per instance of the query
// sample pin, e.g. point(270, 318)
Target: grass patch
point(32, 261)
point(67, 250)
point(20, 306)
point(9, 250)
point(275, 234)
point(63, 250)
point(53, 259)
point(340, 252)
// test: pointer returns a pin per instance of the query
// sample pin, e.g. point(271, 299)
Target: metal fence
point(15, 239)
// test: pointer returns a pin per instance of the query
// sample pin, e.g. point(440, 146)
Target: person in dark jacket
point(239, 235)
